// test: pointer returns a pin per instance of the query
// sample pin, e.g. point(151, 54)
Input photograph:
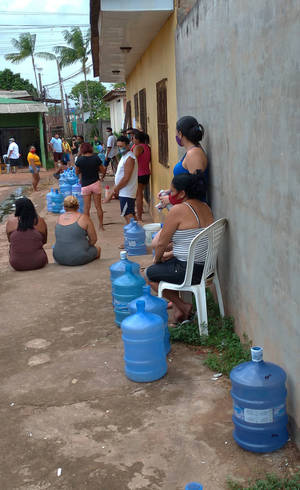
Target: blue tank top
point(179, 169)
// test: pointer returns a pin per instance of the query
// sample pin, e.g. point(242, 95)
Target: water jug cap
point(193, 486)
point(56, 191)
point(51, 189)
point(140, 306)
point(147, 289)
point(257, 354)
point(123, 255)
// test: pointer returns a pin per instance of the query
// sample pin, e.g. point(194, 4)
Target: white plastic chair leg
point(219, 293)
point(201, 310)
point(203, 307)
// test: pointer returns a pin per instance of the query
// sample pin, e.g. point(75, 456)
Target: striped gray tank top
point(182, 239)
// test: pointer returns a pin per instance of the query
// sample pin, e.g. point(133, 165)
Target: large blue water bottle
point(126, 228)
point(136, 240)
point(71, 176)
point(118, 268)
point(57, 202)
point(144, 351)
point(49, 200)
point(156, 305)
point(193, 486)
point(124, 289)
point(259, 398)
point(76, 192)
point(65, 189)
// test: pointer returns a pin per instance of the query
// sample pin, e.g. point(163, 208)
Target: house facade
point(116, 101)
point(23, 120)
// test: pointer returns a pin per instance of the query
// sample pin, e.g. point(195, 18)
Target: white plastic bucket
point(149, 229)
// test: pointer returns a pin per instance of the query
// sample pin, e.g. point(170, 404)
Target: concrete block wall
point(237, 69)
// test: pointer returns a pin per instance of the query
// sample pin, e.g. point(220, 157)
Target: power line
point(20, 12)
point(43, 26)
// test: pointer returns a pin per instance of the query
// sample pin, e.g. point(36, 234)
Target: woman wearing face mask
point(189, 133)
point(188, 217)
point(34, 166)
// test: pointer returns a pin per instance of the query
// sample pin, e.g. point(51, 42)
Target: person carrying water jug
point(126, 180)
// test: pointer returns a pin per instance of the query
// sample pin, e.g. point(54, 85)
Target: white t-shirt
point(130, 189)
point(15, 150)
point(112, 143)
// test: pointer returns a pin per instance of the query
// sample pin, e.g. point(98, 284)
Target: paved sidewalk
point(66, 403)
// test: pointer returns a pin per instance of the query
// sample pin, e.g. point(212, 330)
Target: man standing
point(111, 151)
point(13, 155)
point(57, 150)
point(126, 180)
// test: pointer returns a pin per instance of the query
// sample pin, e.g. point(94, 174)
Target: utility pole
point(68, 118)
point(62, 99)
point(40, 84)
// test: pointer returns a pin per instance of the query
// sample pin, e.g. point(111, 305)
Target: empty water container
point(156, 305)
point(124, 289)
point(126, 228)
point(144, 351)
point(259, 399)
point(136, 240)
point(76, 192)
point(57, 202)
point(118, 268)
point(49, 200)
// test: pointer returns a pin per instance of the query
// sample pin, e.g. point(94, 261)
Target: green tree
point(14, 81)
point(119, 85)
point(25, 46)
point(78, 50)
point(96, 93)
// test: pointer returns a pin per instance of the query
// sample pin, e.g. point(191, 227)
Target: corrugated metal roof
point(14, 94)
point(14, 106)
point(114, 94)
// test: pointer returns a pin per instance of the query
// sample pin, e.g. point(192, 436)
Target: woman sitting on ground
point(34, 166)
point(188, 217)
point(27, 233)
point(75, 236)
point(88, 166)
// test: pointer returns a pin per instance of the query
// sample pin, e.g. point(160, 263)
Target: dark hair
point(26, 213)
point(140, 136)
point(81, 137)
point(190, 128)
point(124, 139)
point(86, 148)
point(129, 129)
point(110, 129)
point(194, 185)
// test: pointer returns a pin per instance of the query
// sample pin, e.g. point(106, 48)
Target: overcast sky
point(25, 16)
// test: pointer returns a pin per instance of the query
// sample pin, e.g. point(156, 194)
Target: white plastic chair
point(214, 235)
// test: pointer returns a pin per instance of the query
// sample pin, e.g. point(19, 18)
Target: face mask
point(122, 151)
point(175, 200)
point(178, 139)
point(32, 151)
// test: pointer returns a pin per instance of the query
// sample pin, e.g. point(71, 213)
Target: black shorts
point(14, 162)
point(144, 179)
point(127, 205)
point(173, 270)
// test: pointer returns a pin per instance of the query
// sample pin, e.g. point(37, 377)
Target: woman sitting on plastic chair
point(188, 217)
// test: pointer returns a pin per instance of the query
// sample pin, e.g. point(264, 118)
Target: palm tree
point(52, 57)
point(78, 50)
point(25, 46)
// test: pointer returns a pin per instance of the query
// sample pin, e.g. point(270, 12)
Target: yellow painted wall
point(158, 62)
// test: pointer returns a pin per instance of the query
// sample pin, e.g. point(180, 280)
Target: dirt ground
point(66, 406)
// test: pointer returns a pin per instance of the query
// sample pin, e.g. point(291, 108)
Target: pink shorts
point(94, 188)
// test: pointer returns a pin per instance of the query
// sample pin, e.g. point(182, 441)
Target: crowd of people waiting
point(75, 232)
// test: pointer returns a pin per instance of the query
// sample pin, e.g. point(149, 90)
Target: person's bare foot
point(182, 314)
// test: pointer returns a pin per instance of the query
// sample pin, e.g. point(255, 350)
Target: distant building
point(116, 100)
point(22, 120)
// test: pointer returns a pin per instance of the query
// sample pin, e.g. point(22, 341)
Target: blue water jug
point(124, 289)
point(156, 305)
point(72, 178)
point(193, 486)
point(65, 189)
point(49, 200)
point(76, 192)
point(144, 351)
point(126, 228)
point(76, 188)
point(259, 399)
point(118, 268)
point(136, 240)
point(57, 202)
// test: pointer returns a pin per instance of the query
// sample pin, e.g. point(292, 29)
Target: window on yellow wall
point(136, 107)
point(128, 119)
point(143, 110)
point(162, 121)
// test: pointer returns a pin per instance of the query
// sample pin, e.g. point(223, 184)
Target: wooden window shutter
point(162, 122)
point(128, 120)
point(143, 109)
point(136, 107)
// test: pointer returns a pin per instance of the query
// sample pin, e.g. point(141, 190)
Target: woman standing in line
point(143, 154)
point(88, 166)
point(34, 166)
